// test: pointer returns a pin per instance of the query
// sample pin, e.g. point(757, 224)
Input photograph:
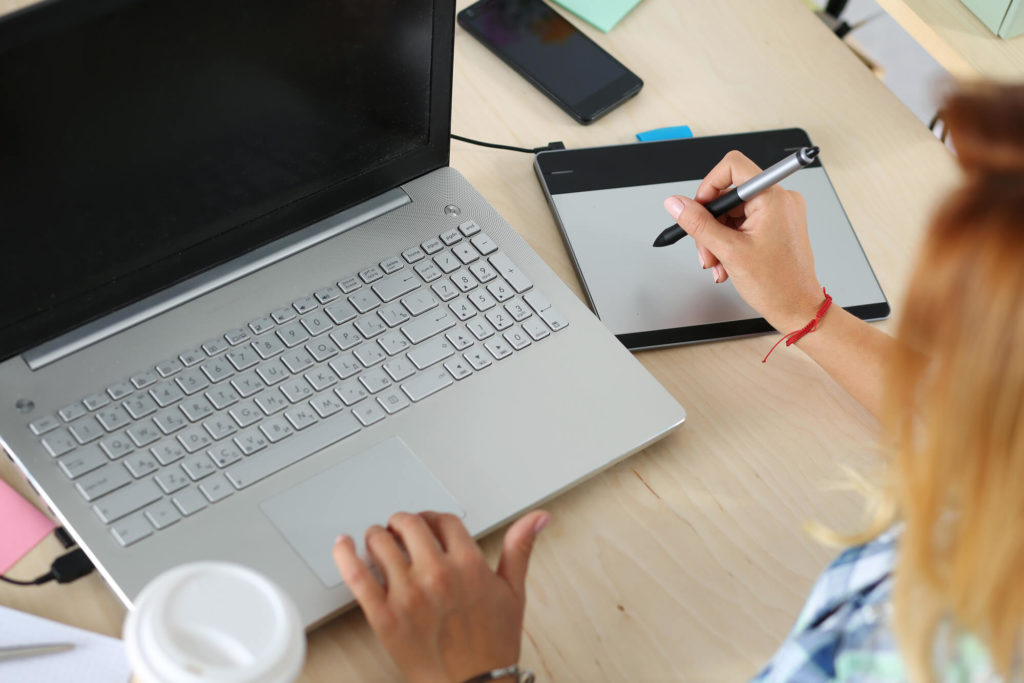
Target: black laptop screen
point(143, 142)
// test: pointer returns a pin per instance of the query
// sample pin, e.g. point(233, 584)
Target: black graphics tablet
point(608, 204)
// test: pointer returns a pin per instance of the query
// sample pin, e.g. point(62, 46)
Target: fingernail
point(674, 206)
point(340, 539)
point(717, 270)
point(701, 258)
point(541, 523)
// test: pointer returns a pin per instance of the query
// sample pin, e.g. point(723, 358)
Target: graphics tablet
point(608, 204)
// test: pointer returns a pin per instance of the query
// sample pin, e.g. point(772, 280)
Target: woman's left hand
point(443, 614)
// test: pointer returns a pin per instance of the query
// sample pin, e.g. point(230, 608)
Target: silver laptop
point(248, 306)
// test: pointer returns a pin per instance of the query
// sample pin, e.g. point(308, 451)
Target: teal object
point(669, 133)
point(603, 14)
point(1005, 18)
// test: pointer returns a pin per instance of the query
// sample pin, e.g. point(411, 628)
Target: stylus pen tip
point(669, 235)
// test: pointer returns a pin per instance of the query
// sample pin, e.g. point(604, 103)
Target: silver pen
point(804, 156)
point(34, 650)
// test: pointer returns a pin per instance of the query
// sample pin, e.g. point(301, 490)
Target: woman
point(938, 590)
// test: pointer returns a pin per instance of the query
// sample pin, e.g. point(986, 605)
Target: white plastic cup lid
point(214, 622)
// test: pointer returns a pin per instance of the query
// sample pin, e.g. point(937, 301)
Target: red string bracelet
point(794, 337)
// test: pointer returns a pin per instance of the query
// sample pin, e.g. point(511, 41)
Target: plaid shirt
point(844, 631)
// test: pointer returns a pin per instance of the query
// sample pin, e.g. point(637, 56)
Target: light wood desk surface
point(958, 40)
point(687, 561)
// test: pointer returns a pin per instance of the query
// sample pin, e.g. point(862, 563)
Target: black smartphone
point(552, 54)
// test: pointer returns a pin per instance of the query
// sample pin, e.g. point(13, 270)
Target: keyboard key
point(433, 351)
point(465, 253)
point(428, 271)
point(463, 280)
point(460, 339)
point(369, 413)
point(349, 284)
point(536, 329)
point(168, 451)
point(462, 309)
point(450, 237)
point(346, 365)
point(276, 428)
point(447, 262)
point(282, 315)
point(108, 478)
point(301, 417)
point(220, 426)
point(169, 420)
point(166, 393)
point(43, 425)
point(272, 373)
point(261, 325)
point(393, 342)
point(498, 348)
point(351, 392)
point(131, 530)
point(500, 319)
point(143, 433)
point(483, 301)
point(481, 329)
point(427, 383)
point(198, 466)
point(321, 378)
point(297, 390)
point(190, 358)
point(259, 466)
point(518, 310)
point(271, 402)
point(341, 312)
point(484, 244)
point(508, 270)
point(117, 446)
point(214, 347)
point(268, 346)
point(194, 439)
point(248, 383)
point(86, 429)
point(445, 290)
point(242, 357)
point(432, 246)
point(193, 381)
point(322, 349)
point(428, 325)
point(327, 294)
point(369, 354)
point(140, 464)
point(225, 454)
point(555, 320)
point(119, 390)
point(72, 412)
point(296, 361)
point(83, 461)
point(304, 305)
point(171, 480)
point(113, 417)
point(316, 323)
point(245, 413)
point(413, 255)
point(517, 338)
point(140, 406)
point(168, 368)
point(394, 315)
point(292, 334)
point(477, 358)
point(196, 408)
point(370, 326)
point(375, 380)
point(459, 368)
point(399, 369)
point(371, 274)
point(189, 501)
point(163, 514)
point(483, 272)
point(419, 303)
point(501, 290)
point(223, 396)
point(251, 441)
point(469, 228)
point(217, 369)
point(346, 336)
point(216, 488)
point(390, 288)
point(127, 500)
point(393, 400)
point(144, 379)
point(236, 336)
point(326, 405)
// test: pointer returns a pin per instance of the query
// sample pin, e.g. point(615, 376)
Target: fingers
point(450, 532)
point(516, 549)
point(701, 226)
point(416, 536)
point(733, 169)
point(367, 591)
point(383, 549)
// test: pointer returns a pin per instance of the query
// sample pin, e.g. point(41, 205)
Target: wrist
point(798, 313)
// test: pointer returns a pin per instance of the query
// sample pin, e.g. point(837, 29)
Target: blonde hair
point(954, 404)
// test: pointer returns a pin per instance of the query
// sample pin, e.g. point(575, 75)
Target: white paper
point(95, 658)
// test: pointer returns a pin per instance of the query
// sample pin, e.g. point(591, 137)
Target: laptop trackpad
point(350, 497)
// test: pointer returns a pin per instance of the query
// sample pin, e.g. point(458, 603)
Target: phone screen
point(547, 49)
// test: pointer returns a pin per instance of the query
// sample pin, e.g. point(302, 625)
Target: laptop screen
point(142, 142)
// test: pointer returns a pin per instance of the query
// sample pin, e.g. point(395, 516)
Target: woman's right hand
point(762, 245)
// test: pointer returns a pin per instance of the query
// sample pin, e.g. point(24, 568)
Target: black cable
point(65, 569)
point(550, 146)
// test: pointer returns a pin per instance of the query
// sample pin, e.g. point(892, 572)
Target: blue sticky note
point(603, 14)
point(669, 133)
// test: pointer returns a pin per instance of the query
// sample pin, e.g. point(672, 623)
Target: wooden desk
point(958, 40)
point(687, 561)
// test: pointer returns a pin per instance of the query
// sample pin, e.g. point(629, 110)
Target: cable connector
point(65, 569)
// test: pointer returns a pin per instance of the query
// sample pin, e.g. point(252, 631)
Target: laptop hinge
point(165, 300)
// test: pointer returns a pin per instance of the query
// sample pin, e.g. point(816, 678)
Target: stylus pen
point(804, 156)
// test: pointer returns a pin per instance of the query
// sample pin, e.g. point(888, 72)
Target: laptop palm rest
point(351, 496)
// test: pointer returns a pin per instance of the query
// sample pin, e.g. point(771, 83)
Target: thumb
point(516, 549)
point(699, 223)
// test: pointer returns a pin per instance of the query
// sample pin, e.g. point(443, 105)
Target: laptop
point(248, 305)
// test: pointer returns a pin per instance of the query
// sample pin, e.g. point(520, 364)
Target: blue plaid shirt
point(844, 631)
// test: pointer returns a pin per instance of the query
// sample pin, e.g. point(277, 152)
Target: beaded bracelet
point(521, 675)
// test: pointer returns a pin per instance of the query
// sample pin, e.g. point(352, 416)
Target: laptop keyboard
point(173, 439)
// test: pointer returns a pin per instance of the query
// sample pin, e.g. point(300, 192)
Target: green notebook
point(603, 14)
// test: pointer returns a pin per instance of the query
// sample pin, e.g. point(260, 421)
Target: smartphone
point(552, 54)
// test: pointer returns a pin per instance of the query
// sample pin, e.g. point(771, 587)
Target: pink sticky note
point(22, 526)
